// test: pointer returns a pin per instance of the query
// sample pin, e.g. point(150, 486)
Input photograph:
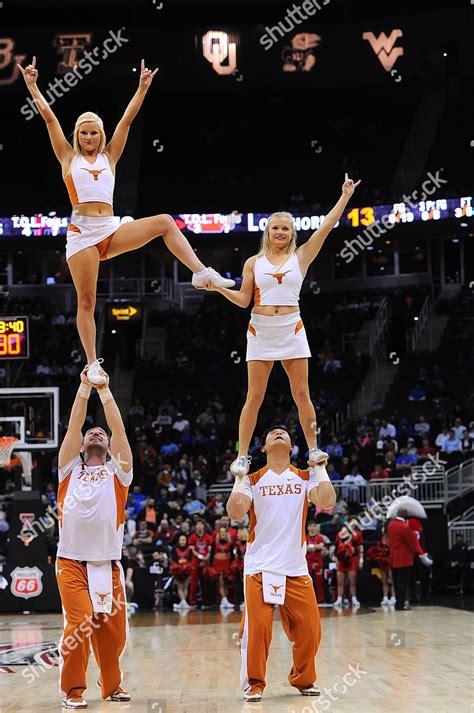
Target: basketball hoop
point(7, 444)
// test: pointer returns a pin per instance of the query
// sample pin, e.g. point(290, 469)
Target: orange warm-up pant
point(107, 632)
point(300, 618)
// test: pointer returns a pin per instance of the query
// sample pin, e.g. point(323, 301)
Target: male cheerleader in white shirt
point(95, 473)
point(275, 567)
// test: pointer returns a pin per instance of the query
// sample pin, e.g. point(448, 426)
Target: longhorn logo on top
point(279, 275)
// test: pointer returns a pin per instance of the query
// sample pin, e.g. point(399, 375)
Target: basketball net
point(7, 443)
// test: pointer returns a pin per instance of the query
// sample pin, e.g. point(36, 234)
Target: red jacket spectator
point(378, 473)
point(403, 543)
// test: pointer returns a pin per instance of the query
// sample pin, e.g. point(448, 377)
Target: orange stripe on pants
point(301, 622)
point(106, 632)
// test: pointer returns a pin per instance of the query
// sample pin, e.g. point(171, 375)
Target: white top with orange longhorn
point(277, 537)
point(277, 285)
point(91, 510)
point(90, 182)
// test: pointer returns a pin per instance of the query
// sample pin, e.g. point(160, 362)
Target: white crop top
point(90, 182)
point(275, 286)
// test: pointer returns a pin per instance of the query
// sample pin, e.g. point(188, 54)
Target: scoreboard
point(14, 338)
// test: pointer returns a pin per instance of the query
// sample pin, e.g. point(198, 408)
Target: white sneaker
point(200, 279)
point(240, 466)
point(225, 604)
point(385, 602)
point(317, 457)
point(95, 373)
point(355, 603)
point(76, 702)
point(310, 691)
point(185, 605)
point(392, 600)
point(252, 695)
point(176, 607)
point(338, 603)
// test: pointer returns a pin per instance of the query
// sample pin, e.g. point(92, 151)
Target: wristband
point(84, 391)
point(105, 395)
point(319, 474)
point(239, 485)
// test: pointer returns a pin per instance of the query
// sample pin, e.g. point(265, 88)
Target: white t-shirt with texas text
point(277, 536)
point(91, 510)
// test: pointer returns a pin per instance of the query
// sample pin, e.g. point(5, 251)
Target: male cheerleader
point(275, 567)
point(95, 473)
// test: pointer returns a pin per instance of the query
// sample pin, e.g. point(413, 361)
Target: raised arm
point(238, 503)
point(61, 146)
point(243, 297)
point(72, 442)
point(308, 252)
point(116, 145)
point(119, 444)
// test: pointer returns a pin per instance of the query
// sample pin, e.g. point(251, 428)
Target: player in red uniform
point(220, 560)
point(200, 543)
point(350, 558)
point(314, 558)
point(181, 570)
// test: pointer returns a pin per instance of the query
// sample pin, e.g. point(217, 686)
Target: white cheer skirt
point(277, 337)
point(85, 231)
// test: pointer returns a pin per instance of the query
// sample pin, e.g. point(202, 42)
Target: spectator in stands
point(451, 444)
point(255, 446)
point(168, 448)
point(4, 526)
point(458, 428)
point(136, 409)
point(390, 444)
point(43, 368)
point(193, 506)
point(389, 462)
point(164, 534)
point(442, 437)
point(417, 393)
point(334, 448)
point(411, 448)
point(143, 536)
point(426, 450)
point(387, 429)
point(148, 513)
point(378, 472)
point(404, 462)
point(333, 473)
point(205, 419)
point(181, 423)
point(422, 428)
point(351, 483)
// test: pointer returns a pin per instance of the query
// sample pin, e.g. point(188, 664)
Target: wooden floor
point(409, 662)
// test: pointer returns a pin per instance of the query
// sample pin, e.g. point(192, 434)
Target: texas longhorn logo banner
point(383, 47)
point(26, 582)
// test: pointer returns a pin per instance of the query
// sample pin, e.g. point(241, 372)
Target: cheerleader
point(273, 278)
point(220, 562)
point(94, 234)
point(350, 558)
point(314, 557)
point(379, 555)
point(180, 568)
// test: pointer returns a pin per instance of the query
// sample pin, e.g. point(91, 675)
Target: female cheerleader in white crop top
point(273, 278)
point(94, 234)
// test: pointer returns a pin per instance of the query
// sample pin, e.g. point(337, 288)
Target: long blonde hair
point(82, 119)
point(265, 248)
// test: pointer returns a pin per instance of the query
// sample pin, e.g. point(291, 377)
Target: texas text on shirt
point(91, 507)
point(276, 499)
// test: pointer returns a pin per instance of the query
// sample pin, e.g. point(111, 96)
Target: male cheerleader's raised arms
point(273, 279)
point(95, 234)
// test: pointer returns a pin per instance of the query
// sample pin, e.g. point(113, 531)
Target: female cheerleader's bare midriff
point(273, 279)
point(95, 234)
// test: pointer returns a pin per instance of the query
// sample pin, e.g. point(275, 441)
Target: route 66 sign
point(26, 582)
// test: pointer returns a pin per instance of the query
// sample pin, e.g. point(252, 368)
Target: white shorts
point(84, 231)
point(276, 337)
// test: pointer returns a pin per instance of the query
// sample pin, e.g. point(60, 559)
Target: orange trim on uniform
point(71, 189)
point(255, 477)
point(121, 493)
point(304, 474)
point(256, 295)
point(62, 490)
point(303, 522)
point(252, 330)
point(299, 326)
point(252, 524)
point(73, 228)
point(103, 247)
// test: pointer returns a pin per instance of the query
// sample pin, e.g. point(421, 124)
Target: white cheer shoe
point(95, 374)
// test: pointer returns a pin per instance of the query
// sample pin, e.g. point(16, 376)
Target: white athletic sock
point(201, 272)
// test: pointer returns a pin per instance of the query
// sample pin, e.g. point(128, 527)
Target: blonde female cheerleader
point(95, 234)
point(274, 278)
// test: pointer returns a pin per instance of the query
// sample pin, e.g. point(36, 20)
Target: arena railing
point(459, 480)
point(462, 525)
point(413, 335)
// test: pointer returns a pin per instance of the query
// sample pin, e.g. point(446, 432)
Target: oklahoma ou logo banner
point(26, 582)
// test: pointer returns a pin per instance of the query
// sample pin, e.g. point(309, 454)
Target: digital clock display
point(14, 338)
